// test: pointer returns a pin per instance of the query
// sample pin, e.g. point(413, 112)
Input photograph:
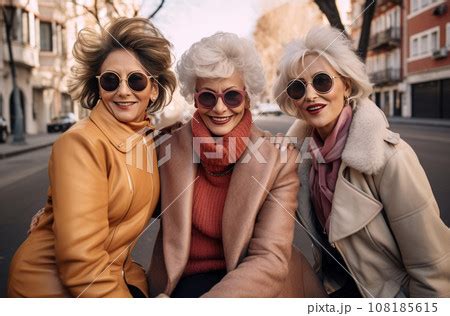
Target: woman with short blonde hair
point(365, 199)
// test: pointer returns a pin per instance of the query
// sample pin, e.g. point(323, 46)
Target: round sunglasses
point(136, 81)
point(208, 99)
point(321, 82)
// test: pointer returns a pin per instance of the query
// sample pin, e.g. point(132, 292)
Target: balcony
point(386, 39)
point(24, 55)
point(383, 2)
point(386, 76)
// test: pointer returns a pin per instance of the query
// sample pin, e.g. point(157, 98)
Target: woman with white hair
point(365, 198)
point(228, 216)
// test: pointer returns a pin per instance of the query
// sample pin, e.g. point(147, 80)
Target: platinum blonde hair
point(219, 56)
point(331, 44)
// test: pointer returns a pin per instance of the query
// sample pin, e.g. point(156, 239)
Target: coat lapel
point(352, 209)
point(178, 176)
point(244, 198)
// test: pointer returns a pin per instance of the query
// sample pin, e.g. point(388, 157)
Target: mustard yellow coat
point(104, 187)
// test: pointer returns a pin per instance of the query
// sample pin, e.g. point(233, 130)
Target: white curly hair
point(219, 56)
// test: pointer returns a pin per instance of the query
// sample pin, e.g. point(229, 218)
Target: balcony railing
point(382, 2)
point(23, 55)
point(387, 38)
point(388, 75)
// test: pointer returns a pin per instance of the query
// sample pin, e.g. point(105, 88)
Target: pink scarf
point(326, 160)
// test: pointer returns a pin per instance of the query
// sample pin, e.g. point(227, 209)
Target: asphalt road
point(24, 183)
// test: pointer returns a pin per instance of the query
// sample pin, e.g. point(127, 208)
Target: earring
point(346, 100)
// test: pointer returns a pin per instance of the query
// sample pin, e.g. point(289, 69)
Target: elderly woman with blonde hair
point(101, 194)
point(365, 198)
point(228, 216)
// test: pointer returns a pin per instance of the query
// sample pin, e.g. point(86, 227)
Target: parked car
point(61, 123)
point(3, 130)
point(269, 109)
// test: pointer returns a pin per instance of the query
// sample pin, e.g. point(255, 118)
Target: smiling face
point(125, 104)
point(220, 120)
point(321, 110)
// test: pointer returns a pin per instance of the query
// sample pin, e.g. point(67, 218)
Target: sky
point(185, 22)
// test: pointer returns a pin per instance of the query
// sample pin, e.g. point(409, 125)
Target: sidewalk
point(32, 142)
point(419, 121)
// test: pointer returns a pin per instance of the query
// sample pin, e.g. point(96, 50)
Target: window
point(25, 28)
point(14, 15)
point(415, 47)
point(447, 34)
point(422, 5)
point(46, 36)
point(434, 43)
point(414, 5)
point(423, 44)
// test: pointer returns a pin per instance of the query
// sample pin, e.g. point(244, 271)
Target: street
point(24, 183)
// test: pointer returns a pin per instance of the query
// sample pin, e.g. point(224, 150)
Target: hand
point(35, 220)
point(282, 142)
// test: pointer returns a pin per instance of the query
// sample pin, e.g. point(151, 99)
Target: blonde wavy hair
point(331, 44)
point(136, 34)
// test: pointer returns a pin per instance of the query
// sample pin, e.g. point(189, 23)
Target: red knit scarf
point(210, 191)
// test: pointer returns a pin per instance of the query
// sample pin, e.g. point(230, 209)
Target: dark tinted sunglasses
point(322, 83)
point(208, 99)
point(136, 81)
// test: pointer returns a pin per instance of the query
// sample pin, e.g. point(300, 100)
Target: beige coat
point(96, 209)
point(257, 226)
point(384, 220)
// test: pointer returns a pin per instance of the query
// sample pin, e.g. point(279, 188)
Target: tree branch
point(88, 10)
point(329, 8)
point(157, 9)
point(113, 5)
point(369, 11)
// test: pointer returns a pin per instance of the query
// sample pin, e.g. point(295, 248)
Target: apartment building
point(407, 58)
point(40, 56)
point(384, 58)
point(43, 34)
point(427, 60)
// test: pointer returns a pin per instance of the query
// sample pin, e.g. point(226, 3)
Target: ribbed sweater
point(210, 191)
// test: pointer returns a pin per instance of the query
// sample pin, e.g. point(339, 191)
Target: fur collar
point(365, 149)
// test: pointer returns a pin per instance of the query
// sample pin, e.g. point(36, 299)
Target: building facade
point(384, 58)
point(427, 60)
point(40, 58)
point(43, 33)
point(407, 57)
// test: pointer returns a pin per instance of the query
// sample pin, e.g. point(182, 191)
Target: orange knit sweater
point(210, 191)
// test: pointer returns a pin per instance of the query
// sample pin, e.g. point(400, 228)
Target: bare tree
point(19, 135)
point(94, 9)
point(156, 10)
point(329, 8)
point(369, 11)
